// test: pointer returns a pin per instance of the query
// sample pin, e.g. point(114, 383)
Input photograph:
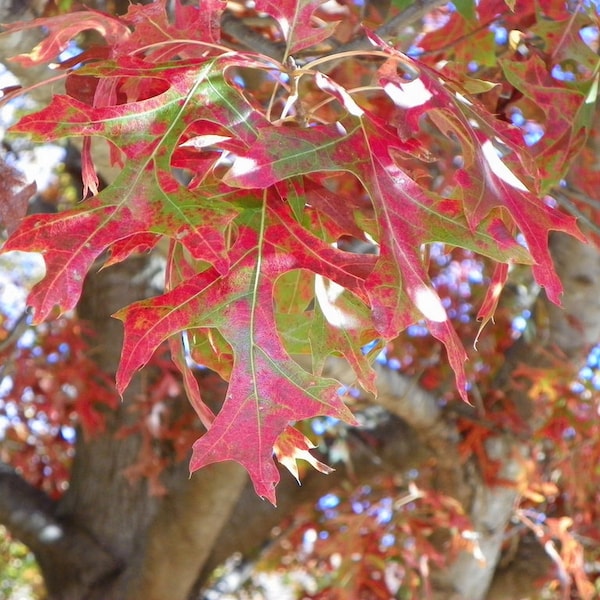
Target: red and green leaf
point(267, 389)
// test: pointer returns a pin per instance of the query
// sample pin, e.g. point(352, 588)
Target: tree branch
point(25, 510)
point(250, 39)
point(390, 29)
point(564, 199)
point(398, 394)
point(60, 548)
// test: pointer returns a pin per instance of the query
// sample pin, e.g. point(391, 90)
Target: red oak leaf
point(267, 389)
point(258, 266)
point(291, 446)
point(63, 28)
point(145, 197)
point(566, 111)
point(486, 181)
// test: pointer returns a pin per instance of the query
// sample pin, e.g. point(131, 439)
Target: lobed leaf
point(267, 389)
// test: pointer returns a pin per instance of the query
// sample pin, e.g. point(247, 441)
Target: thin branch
point(17, 330)
point(399, 395)
point(249, 38)
point(563, 199)
point(593, 202)
point(390, 29)
point(26, 511)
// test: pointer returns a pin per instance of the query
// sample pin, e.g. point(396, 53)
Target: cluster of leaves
point(265, 175)
point(50, 387)
point(390, 528)
point(559, 490)
point(17, 564)
point(561, 502)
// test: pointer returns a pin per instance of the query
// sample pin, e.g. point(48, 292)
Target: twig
point(248, 37)
point(417, 10)
point(236, 28)
point(563, 200)
point(17, 330)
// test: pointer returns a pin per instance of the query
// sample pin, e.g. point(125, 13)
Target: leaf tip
point(268, 494)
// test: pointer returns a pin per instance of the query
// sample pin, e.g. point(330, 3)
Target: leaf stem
point(224, 49)
point(406, 62)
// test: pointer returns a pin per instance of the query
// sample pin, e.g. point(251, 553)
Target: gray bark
point(59, 546)
point(191, 519)
point(575, 326)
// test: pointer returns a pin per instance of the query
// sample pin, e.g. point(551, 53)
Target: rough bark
point(60, 546)
point(575, 326)
point(184, 531)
